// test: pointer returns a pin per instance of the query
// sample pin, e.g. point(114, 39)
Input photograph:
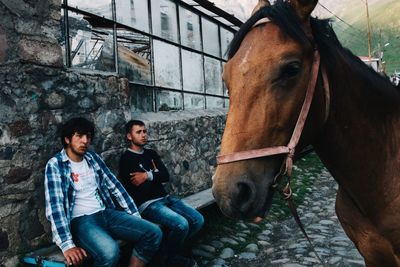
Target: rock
point(326, 222)
point(269, 251)
point(263, 243)
point(266, 232)
point(229, 241)
point(227, 253)
point(217, 244)
point(207, 248)
point(6, 153)
point(247, 255)
point(252, 248)
point(40, 52)
point(280, 261)
point(86, 103)
point(355, 262)
point(334, 260)
point(253, 225)
point(4, 243)
point(202, 253)
point(17, 175)
point(3, 45)
point(20, 128)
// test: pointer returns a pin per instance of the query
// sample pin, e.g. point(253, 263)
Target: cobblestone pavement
point(282, 243)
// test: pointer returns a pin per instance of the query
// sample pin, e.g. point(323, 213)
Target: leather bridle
point(289, 149)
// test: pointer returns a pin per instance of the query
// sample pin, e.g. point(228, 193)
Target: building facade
point(110, 61)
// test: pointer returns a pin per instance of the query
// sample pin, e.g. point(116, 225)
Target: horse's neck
point(360, 141)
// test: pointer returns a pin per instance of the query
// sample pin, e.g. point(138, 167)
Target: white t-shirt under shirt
point(87, 199)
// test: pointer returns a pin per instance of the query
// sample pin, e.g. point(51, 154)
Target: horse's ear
point(304, 8)
point(260, 4)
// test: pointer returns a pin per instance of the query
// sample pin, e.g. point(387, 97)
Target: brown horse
point(353, 126)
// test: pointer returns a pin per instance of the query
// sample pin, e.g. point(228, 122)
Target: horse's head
point(267, 76)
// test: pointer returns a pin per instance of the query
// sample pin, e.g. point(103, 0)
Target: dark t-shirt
point(148, 161)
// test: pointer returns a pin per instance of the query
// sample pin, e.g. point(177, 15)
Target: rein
point(289, 149)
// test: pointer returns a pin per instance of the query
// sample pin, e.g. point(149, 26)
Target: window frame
point(152, 86)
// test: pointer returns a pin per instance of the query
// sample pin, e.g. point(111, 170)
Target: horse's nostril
point(245, 196)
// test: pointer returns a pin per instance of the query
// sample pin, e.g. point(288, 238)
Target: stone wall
point(37, 94)
point(188, 142)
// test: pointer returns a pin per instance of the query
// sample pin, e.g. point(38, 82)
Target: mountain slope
point(385, 30)
point(385, 24)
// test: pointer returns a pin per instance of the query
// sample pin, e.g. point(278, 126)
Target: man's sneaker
point(180, 261)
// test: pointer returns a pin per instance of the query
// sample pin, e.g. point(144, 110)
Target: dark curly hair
point(76, 125)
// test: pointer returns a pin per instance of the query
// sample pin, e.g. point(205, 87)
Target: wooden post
point(369, 31)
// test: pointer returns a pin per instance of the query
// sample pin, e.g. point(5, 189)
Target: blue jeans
point(97, 234)
point(181, 221)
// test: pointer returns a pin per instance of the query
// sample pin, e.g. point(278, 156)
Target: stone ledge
point(201, 199)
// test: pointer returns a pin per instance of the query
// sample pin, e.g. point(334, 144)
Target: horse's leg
point(376, 250)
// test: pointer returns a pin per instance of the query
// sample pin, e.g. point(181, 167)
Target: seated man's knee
point(154, 235)
point(195, 225)
point(181, 225)
point(149, 243)
point(199, 221)
point(109, 255)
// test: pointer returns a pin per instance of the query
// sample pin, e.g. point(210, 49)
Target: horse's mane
point(280, 13)
point(283, 15)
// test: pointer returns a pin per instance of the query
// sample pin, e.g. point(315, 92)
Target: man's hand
point(138, 178)
point(75, 256)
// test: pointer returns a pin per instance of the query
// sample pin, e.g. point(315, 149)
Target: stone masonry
point(37, 94)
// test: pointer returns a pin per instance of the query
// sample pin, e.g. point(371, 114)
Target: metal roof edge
point(218, 11)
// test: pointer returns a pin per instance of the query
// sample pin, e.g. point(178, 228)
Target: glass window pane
point(133, 13)
point(166, 65)
point(194, 101)
point(225, 89)
point(168, 100)
point(62, 40)
point(141, 98)
point(210, 37)
point(226, 92)
point(215, 102)
point(226, 38)
point(226, 103)
point(192, 68)
point(164, 19)
point(91, 47)
point(102, 8)
point(190, 28)
point(213, 76)
point(134, 56)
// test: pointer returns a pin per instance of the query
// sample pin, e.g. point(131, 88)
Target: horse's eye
point(290, 70)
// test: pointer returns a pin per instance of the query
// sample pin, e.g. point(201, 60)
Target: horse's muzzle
point(241, 198)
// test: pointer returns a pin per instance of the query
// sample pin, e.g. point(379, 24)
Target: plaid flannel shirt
point(60, 194)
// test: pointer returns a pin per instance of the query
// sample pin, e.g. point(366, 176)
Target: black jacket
point(133, 162)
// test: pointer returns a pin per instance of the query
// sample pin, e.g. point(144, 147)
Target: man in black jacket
point(142, 173)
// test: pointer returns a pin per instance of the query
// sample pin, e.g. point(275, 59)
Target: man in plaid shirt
point(83, 216)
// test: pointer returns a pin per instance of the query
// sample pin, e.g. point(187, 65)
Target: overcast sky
point(242, 8)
